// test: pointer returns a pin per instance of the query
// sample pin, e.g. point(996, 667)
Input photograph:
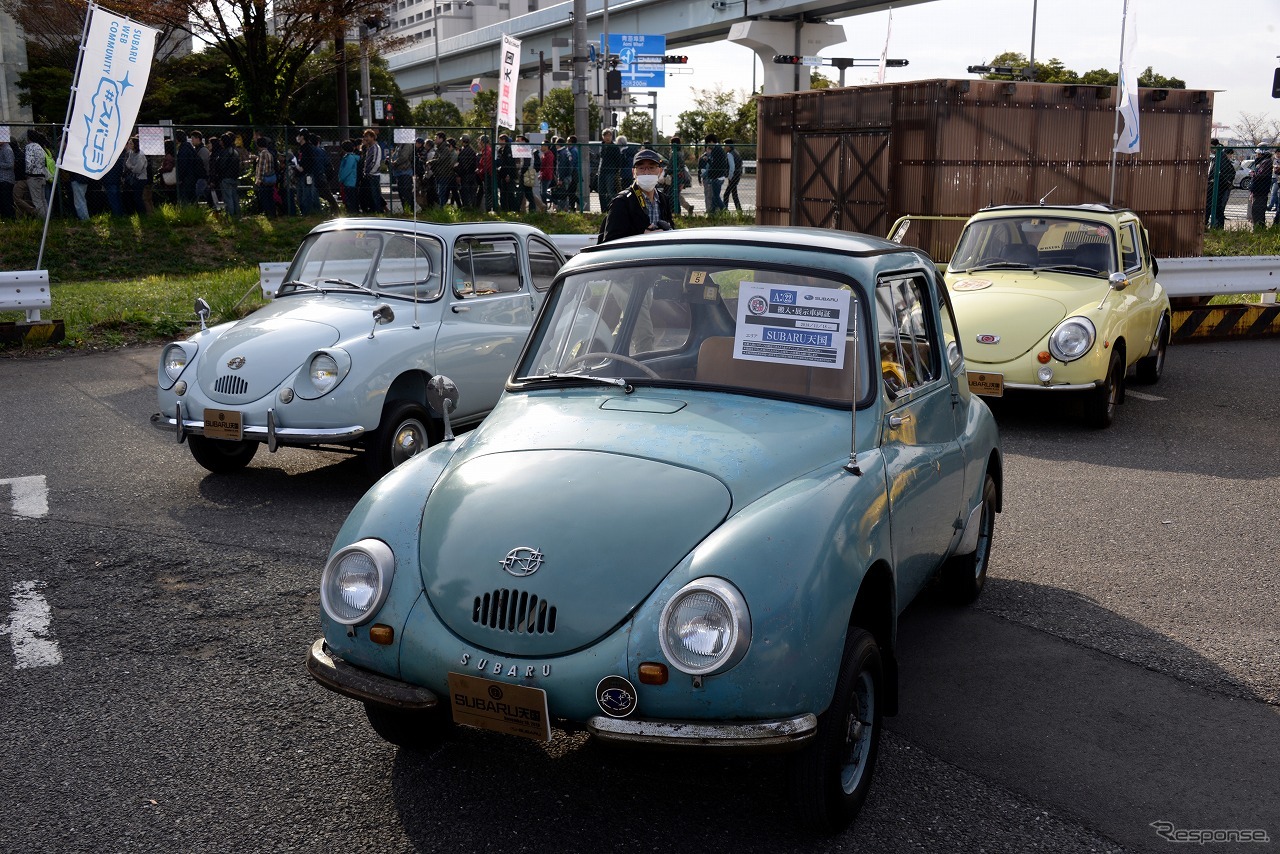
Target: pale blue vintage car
point(370, 311)
point(727, 460)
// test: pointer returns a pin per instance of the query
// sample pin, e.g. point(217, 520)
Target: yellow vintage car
point(1059, 300)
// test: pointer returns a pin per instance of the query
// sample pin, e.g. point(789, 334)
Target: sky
point(1232, 47)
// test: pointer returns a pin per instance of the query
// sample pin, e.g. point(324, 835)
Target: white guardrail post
point(25, 290)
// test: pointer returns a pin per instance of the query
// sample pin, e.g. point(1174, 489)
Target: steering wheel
point(617, 357)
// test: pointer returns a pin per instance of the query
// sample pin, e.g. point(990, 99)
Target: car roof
point(445, 230)
point(1093, 208)
point(782, 237)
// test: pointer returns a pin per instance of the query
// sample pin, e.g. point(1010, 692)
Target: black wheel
point(831, 776)
point(404, 432)
point(221, 456)
point(412, 730)
point(963, 576)
point(1104, 401)
point(1151, 367)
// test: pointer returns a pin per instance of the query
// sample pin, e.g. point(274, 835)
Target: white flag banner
point(1127, 141)
point(884, 55)
point(114, 69)
point(509, 73)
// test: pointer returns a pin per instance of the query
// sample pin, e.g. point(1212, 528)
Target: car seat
point(1095, 256)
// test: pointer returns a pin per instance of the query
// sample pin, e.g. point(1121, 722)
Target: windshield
point(383, 261)
point(1036, 243)
point(737, 328)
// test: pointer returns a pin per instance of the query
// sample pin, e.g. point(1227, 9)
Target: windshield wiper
point(591, 378)
point(345, 283)
point(1000, 265)
point(296, 283)
point(1074, 268)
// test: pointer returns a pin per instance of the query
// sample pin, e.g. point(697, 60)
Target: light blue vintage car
point(726, 461)
point(370, 311)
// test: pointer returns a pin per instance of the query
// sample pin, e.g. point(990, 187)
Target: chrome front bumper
point(272, 434)
point(365, 685)
point(1041, 387)
point(748, 736)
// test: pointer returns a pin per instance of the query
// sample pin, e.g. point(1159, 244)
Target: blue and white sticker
point(792, 324)
point(616, 696)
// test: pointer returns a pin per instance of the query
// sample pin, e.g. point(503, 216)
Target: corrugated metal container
point(858, 158)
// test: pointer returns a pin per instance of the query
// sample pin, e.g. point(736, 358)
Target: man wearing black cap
point(641, 207)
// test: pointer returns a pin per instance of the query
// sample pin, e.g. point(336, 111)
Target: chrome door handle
point(459, 309)
point(896, 421)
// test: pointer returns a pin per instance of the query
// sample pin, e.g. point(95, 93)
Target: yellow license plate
point(499, 706)
point(988, 385)
point(223, 424)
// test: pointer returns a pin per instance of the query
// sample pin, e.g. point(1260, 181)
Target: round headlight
point(323, 372)
point(174, 360)
point(1072, 339)
point(706, 627)
point(356, 580)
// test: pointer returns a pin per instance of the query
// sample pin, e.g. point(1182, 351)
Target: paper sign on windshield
point(792, 324)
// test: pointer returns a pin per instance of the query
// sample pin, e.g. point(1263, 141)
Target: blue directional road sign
point(639, 59)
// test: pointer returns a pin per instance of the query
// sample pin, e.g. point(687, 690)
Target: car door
point(924, 463)
point(488, 316)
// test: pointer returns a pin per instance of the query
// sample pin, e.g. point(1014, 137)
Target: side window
point(485, 266)
point(407, 264)
point(544, 263)
point(908, 355)
point(1129, 247)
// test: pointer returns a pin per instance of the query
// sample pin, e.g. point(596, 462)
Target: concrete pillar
point(767, 38)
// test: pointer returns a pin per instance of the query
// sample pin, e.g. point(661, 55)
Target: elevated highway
point(767, 26)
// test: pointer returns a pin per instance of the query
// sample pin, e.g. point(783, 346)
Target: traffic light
point(613, 84)
point(388, 112)
point(787, 59)
point(1275, 84)
point(674, 60)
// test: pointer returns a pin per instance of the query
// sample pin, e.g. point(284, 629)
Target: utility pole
point(340, 51)
point(581, 107)
point(366, 106)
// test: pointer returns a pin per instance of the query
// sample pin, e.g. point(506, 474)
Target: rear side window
point(486, 266)
point(909, 352)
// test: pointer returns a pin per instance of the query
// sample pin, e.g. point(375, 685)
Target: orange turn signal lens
point(1043, 357)
point(378, 633)
point(653, 673)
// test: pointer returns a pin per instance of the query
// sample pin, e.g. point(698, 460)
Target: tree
point(557, 111)
point(819, 81)
point(715, 112)
point(314, 102)
point(1256, 129)
point(45, 92)
point(267, 44)
point(484, 109)
point(637, 126)
point(192, 91)
point(437, 113)
point(1054, 71)
point(529, 111)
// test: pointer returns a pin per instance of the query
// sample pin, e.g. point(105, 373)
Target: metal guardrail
point(1211, 277)
point(25, 290)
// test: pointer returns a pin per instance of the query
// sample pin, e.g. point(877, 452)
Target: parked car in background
point(370, 311)
point(1059, 300)
point(1244, 174)
point(727, 460)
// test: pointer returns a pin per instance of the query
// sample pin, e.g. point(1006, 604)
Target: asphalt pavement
point(1119, 678)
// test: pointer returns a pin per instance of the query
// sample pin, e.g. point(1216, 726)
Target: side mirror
point(1118, 281)
point(442, 395)
point(382, 315)
point(203, 312)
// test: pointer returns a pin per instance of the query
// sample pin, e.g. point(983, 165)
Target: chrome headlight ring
point(174, 360)
point(356, 580)
point(321, 373)
point(1072, 338)
point(705, 628)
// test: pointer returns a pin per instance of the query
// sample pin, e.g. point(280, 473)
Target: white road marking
point(1141, 395)
point(30, 495)
point(29, 631)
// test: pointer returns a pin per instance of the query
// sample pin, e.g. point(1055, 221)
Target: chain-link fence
point(319, 169)
point(1243, 187)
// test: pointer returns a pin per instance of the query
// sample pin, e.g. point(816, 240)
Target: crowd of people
point(363, 175)
point(1262, 183)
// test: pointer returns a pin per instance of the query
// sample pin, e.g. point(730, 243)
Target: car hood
point(273, 341)
point(1019, 309)
point(596, 511)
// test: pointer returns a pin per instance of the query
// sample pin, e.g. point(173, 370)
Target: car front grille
point(230, 384)
point(514, 611)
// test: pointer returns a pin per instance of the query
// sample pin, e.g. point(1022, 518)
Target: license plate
point(989, 385)
point(499, 706)
point(223, 424)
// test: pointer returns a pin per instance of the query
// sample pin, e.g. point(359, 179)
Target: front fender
point(798, 556)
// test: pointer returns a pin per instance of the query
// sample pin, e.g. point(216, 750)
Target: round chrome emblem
point(616, 696)
point(988, 338)
point(522, 561)
point(236, 363)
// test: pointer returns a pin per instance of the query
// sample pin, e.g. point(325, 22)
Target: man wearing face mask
point(642, 207)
